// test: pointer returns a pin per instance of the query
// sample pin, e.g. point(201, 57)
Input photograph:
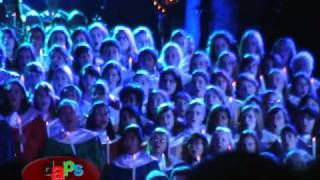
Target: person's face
point(246, 88)
point(289, 141)
point(57, 60)
point(199, 86)
point(32, 78)
point(219, 45)
point(72, 94)
point(223, 119)
point(221, 82)
point(131, 143)
point(15, 96)
point(97, 37)
point(212, 99)
point(143, 40)
point(278, 122)
point(60, 80)
point(8, 41)
point(182, 42)
point(98, 93)
point(24, 57)
point(181, 106)
point(68, 117)
point(284, 51)
point(128, 118)
point(144, 82)
point(196, 148)
point(85, 58)
point(227, 64)
point(123, 41)
point(307, 124)
point(276, 82)
point(199, 62)
point(43, 99)
point(59, 38)
point(166, 120)
point(250, 120)
point(148, 62)
point(131, 100)
point(169, 84)
point(195, 116)
point(101, 117)
point(79, 38)
point(249, 144)
point(252, 68)
point(222, 142)
point(37, 39)
point(172, 56)
point(112, 76)
point(110, 52)
point(251, 45)
point(302, 87)
point(88, 81)
point(158, 143)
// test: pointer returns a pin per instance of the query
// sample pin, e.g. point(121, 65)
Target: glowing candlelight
point(234, 84)
point(198, 158)
point(230, 99)
point(134, 167)
point(284, 70)
point(20, 135)
point(71, 143)
point(203, 131)
point(47, 127)
point(312, 80)
point(130, 63)
point(314, 147)
point(14, 16)
point(108, 150)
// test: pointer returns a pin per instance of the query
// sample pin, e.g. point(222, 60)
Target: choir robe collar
point(26, 118)
point(75, 137)
point(127, 161)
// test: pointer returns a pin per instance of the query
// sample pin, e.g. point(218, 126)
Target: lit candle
point(134, 166)
point(20, 135)
point(71, 143)
point(234, 86)
point(314, 147)
point(47, 126)
point(203, 131)
point(14, 16)
point(230, 100)
point(198, 158)
point(312, 80)
point(130, 63)
point(108, 150)
point(284, 70)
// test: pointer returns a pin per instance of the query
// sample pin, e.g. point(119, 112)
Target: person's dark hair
point(147, 50)
point(180, 171)
point(88, 70)
point(109, 42)
point(248, 133)
point(296, 78)
point(49, 90)
point(186, 156)
point(24, 105)
point(135, 129)
point(80, 30)
point(132, 89)
point(172, 71)
point(77, 51)
point(77, 18)
point(91, 119)
point(220, 73)
point(110, 65)
point(272, 111)
point(134, 112)
point(150, 114)
point(22, 47)
point(213, 115)
point(65, 90)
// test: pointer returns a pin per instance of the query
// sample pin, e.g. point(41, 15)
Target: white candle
point(134, 167)
point(130, 63)
point(108, 150)
point(20, 135)
point(203, 131)
point(314, 147)
point(71, 143)
point(198, 158)
point(47, 127)
point(230, 99)
point(14, 16)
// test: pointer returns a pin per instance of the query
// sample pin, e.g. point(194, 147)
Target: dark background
point(274, 18)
